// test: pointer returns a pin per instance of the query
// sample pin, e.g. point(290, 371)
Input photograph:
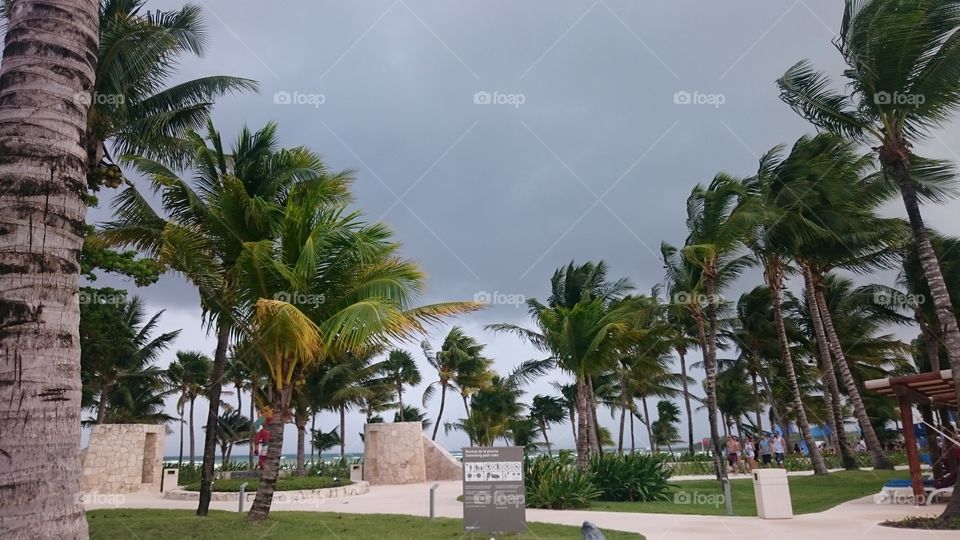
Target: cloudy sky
point(502, 139)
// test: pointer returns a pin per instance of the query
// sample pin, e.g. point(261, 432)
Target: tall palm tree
point(133, 110)
point(324, 287)
point(583, 326)
point(546, 410)
point(717, 230)
point(684, 287)
point(41, 131)
point(903, 71)
point(190, 373)
point(401, 369)
point(234, 198)
point(234, 429)
point(664, 428)
point(459, 361)
point(409, 413)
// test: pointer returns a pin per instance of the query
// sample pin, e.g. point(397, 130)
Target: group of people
point(743, 456)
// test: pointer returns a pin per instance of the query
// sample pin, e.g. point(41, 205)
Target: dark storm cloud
point(502, 139)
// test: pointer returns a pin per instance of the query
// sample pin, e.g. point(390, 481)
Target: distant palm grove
point(314, 307)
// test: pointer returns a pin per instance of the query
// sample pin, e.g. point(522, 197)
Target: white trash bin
point(170, 480)
point(772, 493)
point(356, 472)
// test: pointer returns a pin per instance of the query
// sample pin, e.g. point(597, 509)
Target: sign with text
point(493, 490)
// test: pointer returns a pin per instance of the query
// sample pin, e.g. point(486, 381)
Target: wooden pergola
point(932, 388)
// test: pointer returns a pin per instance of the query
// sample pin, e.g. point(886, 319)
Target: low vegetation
point(290, 483)
point(927, 523)
point(557, 483)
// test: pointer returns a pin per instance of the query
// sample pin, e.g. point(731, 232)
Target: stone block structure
point(124, 458)
point(400, 453)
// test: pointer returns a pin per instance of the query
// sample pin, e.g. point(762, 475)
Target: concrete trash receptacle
point(772, 492)
point(356, 472)
point(170, 479)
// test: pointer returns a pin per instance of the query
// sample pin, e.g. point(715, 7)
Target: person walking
point(750, 453)
point(778, 450)
point(766, 454)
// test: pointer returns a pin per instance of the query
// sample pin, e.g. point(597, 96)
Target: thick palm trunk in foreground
point(260, 508)
point(775, 281)
point(880, 460)
point(682, 353)
point(583, 426)
point(213, 415)
point(710, 384)
point(46, 77)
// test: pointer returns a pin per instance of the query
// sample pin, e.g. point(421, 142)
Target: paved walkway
point(853, 520)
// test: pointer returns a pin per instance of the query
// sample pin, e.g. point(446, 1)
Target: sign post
point(493, 490)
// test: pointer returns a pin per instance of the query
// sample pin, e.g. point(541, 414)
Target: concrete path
point(853, 520)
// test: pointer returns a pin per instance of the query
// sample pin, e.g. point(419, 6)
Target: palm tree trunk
point(572, 413)
point(774, 274)
point(466, 405)
point(47, 73)
point(594, 424)
point(252, 434)
point(213, 397)
point(682, 353)
point(192, 441)
point(583, 426)
point(443, 399)
point(400, 400)
point(623, 421)
point(633, 441)
point(260, 508)
point(239, 399)
point(828, 374)
point(102, 405)
point(709, 344)
point(343, 433)
point(894, 156)
point(756, 401)
point(301, 448)
point(774, 409)
point(313, 429)
point(546, 440)
point(880, 460)
point(180, 460)
point(649, 424)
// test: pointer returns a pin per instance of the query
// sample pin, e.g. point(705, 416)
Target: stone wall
point(440, 464)
point(124, 458)
point(400, 453)
point(393, 453)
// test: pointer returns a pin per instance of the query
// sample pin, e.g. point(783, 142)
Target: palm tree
point(684, 289)
point(583, 326)
point(133, 111)
point(717, 230)
point(546, 410)
point(190, 373)
point(324, 288)
point(903, 71)
point(323, 441)
point(409, 413)
point(664, 428)
point(44, 160)
point(458, 362)
point(233, 199)
point(234, 429)
point(401, 369)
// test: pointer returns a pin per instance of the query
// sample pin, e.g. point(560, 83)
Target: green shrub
point(291, 483)
point(630, 477)
point(337, 468)
point(556, 483)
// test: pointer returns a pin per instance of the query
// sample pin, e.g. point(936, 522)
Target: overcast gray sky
point(582, 152)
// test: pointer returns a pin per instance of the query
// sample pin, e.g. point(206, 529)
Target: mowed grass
point(183, 524)
point(807, 493)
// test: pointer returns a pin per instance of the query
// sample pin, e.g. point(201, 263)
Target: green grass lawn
point(808, 494)
point(183, 524)
point(289, 483)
